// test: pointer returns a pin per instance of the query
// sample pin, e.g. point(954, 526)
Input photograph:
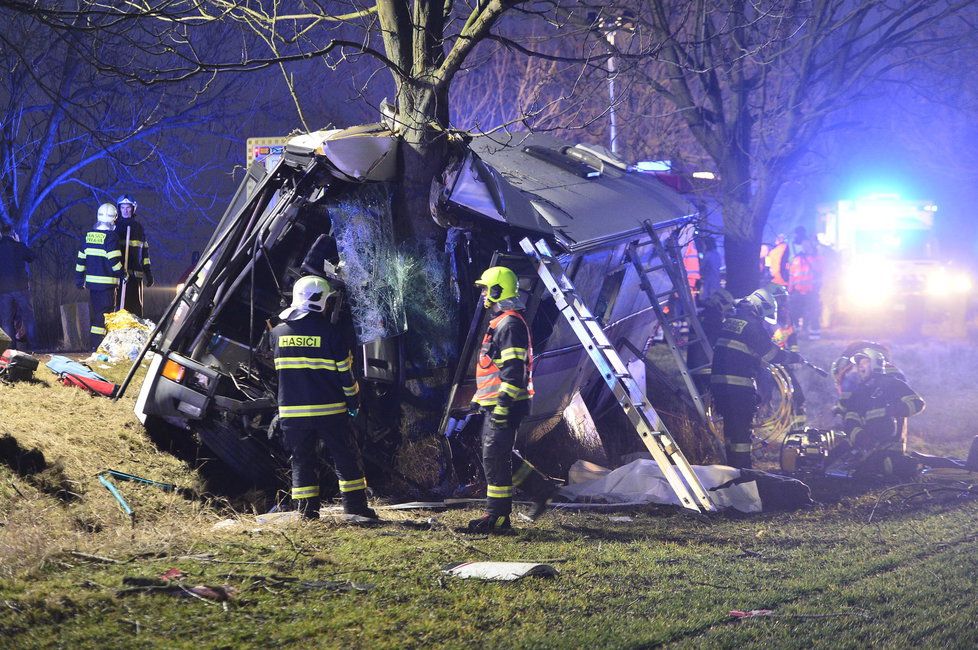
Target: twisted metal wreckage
point(413, 309)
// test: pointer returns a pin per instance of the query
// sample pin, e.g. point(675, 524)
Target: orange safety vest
point(487, 379)
point(691, 261)
point(773, 261)
point(801, 275)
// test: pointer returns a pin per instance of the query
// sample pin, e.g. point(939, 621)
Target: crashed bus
point(412, 312)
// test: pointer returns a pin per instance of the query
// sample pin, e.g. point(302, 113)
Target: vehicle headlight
point(944, 282)
point(869, 285)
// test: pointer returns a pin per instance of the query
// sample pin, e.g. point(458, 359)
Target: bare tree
point(756, 83)
point(69, 135)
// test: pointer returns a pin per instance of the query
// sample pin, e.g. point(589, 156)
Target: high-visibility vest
point(801, 275)
point(691, 261)
point(774, 260)
point(487, 373)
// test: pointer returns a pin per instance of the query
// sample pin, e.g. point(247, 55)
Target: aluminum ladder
point(664, 260)
point(631, 398)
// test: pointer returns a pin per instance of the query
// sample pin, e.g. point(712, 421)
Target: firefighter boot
point(309, 508)
point(490, 525)
point(355, 503)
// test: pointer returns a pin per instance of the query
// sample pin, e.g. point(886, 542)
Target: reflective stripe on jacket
point(743, 345)
point(504, 370)
point(99, 259)
point(315, 372)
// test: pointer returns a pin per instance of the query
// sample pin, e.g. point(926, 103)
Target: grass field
point(872, 567)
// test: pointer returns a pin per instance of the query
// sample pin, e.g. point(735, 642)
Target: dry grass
point(64, 506)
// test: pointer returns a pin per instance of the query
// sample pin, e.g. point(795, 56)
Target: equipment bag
point(74, 373)
point(17, 366)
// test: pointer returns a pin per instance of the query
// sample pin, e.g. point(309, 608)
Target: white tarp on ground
point(642, 481)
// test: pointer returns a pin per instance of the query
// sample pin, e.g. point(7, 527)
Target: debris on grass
point(502, 571)
point(172, 573)
point(750, 613)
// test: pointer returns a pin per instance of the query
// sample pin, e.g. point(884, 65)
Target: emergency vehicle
point(883, 267)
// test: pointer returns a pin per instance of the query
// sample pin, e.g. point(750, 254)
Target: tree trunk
point(423, 153)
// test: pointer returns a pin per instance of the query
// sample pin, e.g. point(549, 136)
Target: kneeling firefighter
point(743, 348)
point(875, 413)
point(504, 387)
point(317, 396)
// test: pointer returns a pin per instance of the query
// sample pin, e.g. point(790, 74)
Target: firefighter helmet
point(765, 305)
point(125, 199)
point(309, 293)
point(876, 358)
point(500, 284)
point(107, 214)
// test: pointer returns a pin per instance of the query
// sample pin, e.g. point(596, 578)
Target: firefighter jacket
point(504, 369)
point(742, 347)
point(99, 262)
point(874, 407)
point(138, 261)
point(315, 372)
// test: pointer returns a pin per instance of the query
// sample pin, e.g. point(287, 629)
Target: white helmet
point(877, 359)
point(309, 293)
point(765, 304)
point(107, 214)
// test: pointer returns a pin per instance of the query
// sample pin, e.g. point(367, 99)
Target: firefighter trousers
point(101, 302)
point(337, 435)
point(506, 469)
point(737, 405)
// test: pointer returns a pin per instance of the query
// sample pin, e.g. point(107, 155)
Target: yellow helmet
point(500, 284)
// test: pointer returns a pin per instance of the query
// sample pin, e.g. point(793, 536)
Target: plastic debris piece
point(279, 517)
point(220, 593)
point(225, 523)
point(338, 585)
point(621, 519)
point(752, 613)
point(416, 505)
point(503, 571)
point(356, 519)
point(172, 573)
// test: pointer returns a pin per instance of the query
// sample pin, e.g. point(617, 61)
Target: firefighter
point(717, 307)
point(742, 350)
point(317, 396)
point(135, 257)
point(843, 370)
point(504, 387)
point(875, 415)
point(99, 267)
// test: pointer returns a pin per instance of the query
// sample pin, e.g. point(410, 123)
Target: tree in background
point(756, 83)
point(71, 136)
